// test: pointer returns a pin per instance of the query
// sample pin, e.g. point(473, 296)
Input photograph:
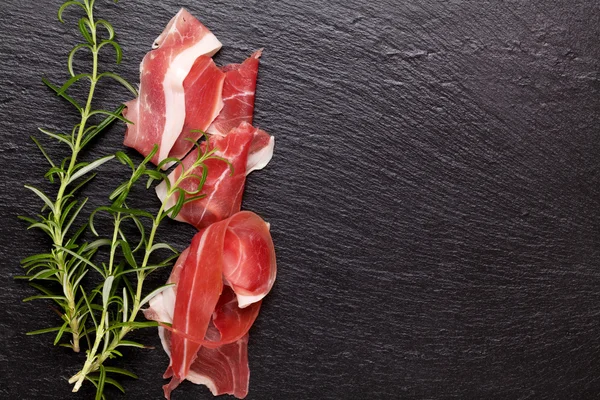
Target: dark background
point(434, 194)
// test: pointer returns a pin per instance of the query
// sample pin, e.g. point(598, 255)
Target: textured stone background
point(434, 196)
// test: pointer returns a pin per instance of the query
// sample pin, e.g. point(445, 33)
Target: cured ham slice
point(224, 370)
point(198, 292)
point(222, 362)
point(203, 87)
point(208, 342)
point(159, 113)
point(238, 95)
point(247, 149)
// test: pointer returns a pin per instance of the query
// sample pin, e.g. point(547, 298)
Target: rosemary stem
point(71, 313)
point(93, 360)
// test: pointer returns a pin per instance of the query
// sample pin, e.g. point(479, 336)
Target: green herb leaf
point(42, 196)
point(90, 167)
point(115, 370)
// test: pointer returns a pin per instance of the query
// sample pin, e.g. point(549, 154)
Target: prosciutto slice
point(238, 95)
point(224, 370)
point(203, 87)
point(247, 149)
point(159, 113)
point(208, 342)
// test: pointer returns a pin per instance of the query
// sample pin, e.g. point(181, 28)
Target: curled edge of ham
point(259, 156)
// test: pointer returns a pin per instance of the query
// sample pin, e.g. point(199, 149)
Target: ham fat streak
point(220, 282)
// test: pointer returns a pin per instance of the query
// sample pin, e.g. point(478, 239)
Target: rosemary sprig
point(59, 214)
point(115, 315)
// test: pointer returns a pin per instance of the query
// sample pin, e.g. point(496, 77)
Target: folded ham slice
point(161, 111)
point(224, 370)
point(208, 342)
point(247, 149)
point(238, 95)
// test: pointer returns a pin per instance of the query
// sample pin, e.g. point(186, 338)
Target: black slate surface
point(434, 195)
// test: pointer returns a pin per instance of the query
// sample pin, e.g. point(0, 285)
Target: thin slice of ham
point(240, 248)
point(203, 102)
point(159, 113)
point(247, 149)
point(198, 292)
point(249, 266)
point(224, 370)
point(238, 95)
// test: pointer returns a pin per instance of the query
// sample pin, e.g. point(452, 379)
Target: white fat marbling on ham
point(260, 158)
point(175, 95)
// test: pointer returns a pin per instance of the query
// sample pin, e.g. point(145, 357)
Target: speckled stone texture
point(434, 195)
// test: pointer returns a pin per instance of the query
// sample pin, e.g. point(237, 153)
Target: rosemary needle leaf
point(115, 370)
point(173, 211)
point(132, 211)
point(125, 305)
point(60, 332)
point(159, 246)
point(42, 289)
point(101, 380)
point(95, 383)
point(129, 343)
point(38, 144)
point(90, 167)
point(140, 269)
point(134, 325)
point(124, 159)
point(88, 262)
point(116, 77)
point(107, 26)
point(71, 81)
point(63, 95)
point(194, 198)
point(116, 384)
point(82, 183)
point(118, 191)
point(87, 302)
point(84, 25)
point(128, 254)
point(101, 126)
point(78, 281)
point(42, 196)
point(106, 290)
point(44, 274)
point(72, 55)
point(45, 330)
point(63, 138)
point(67, 4)
point(72, 219)
point(110, 113)
point(119, 53)
point(45, 297)
point(31, 221)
